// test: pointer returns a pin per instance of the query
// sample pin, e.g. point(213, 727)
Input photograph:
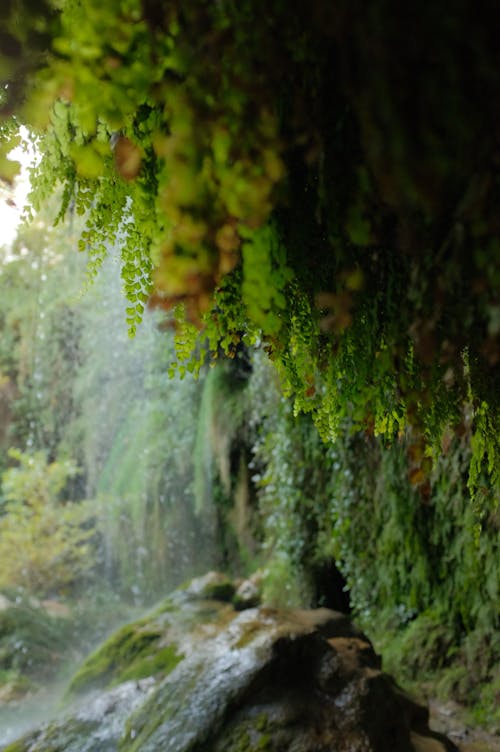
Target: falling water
point(132, 432)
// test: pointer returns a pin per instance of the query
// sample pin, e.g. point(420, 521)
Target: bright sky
point(9, 219)
point(10, 215)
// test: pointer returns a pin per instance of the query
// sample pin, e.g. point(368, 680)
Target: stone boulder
point(261, 679)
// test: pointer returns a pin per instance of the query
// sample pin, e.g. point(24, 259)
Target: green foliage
point(40, 352)
point(408, 554)
point(124, 124)
point(137, 433)
point(105, 215)
point(26, 30)
point(34, 481)
point(421, 582)
point(484, 464)
point(265, 275)
point(486, 711)
point(73, 384)
point(282, 178)
point(221, 485)
point(290, 469)
point(427, 657)
point(9, 139)
point(281, 196)
point(226, 328)
point(221, 421)
point(45, 544)
point(32, 643)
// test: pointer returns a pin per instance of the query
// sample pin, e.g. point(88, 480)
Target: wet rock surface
point(265, 679)
point(450, 718)
point(97, 725)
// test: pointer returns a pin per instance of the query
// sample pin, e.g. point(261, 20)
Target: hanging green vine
point(312, 179)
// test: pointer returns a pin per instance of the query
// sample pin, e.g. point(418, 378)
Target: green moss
point(250, 735)
point(132, 743)
point(214, 586)
point(18, 746)
point(162, 662)
point(165, 607)
point(131, 653)
point(262, 722)
point(220, 591)
point(249, 743)
point(57, 737)
point(486, 712)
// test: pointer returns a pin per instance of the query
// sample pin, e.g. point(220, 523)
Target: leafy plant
point(373, 281)
point(421, 582)
point(45, 544)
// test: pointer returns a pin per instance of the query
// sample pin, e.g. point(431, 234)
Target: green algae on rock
point(212, 586)
point(131, 653)
point(150, 645)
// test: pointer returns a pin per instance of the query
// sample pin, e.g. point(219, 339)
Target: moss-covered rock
point(153, 645)
point(276, 680)
point(95, 726)
point(131, 653)
point(222, 680)
point(212, 586)
point(249, 735)
point(249, 592)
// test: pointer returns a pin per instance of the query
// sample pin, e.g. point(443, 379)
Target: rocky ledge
point(198, 674)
